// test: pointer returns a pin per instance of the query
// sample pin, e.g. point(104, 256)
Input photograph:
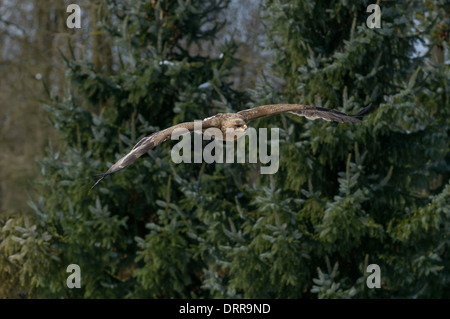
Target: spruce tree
point(129, 235)
point(373, 194)
point(345, 196)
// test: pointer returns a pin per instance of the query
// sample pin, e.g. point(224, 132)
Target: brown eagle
point(235, 121)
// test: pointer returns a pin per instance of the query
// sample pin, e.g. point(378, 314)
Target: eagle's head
point(233, 127)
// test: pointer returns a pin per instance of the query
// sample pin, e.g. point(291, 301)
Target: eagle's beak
point(243, 129)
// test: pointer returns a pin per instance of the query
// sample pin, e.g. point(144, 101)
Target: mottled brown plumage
point(236, 121)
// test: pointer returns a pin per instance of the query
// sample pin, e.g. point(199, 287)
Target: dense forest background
point(72, 101)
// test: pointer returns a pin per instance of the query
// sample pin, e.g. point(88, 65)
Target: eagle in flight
point(235, 121)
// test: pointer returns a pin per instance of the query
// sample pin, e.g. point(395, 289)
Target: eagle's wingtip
point(98, 181)
point(102, 176)
point(364, 110)
point(111, 170)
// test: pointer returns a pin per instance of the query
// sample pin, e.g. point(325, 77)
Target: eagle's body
point(227, 122)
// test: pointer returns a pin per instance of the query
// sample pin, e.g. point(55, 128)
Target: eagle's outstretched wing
point(231, 120)
point(149, 142)
point(310, 112)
